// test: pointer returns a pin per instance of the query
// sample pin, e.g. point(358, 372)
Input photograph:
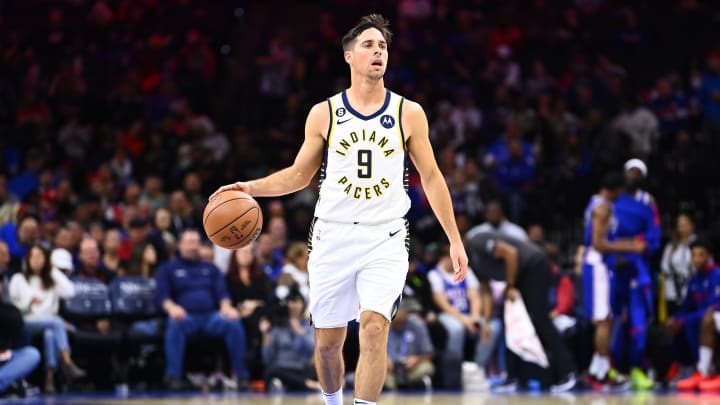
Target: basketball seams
point(220, 205)
point(250, 235)
point(233, 221)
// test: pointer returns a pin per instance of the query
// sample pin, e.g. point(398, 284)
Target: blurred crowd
point(119, 117)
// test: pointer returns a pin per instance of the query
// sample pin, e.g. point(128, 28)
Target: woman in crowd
point(676, 263)
point(37, 292)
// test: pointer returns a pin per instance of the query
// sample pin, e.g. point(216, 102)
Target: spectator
point(676, 264)
point(15, 361)
point(296, 260)
point(410, 350)
point(640, 125)
point(153, 193)
point(37, 292)
point(288, 347)
point(270, 263)
point(495, 221)
point(90, 264)
point(20, 238)
point(144, 261)
point(182, 215)
point(5, 270)
point(195, 297)
point(110, 258)
point(460, 305)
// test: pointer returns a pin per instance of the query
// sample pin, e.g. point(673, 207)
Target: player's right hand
point(243, 186)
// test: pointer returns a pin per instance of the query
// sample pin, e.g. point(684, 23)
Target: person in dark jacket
point(195, 297)
point(15, 362)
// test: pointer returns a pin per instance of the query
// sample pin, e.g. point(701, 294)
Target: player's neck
point(365, 92)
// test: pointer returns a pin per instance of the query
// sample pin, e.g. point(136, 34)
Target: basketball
point(232, 219)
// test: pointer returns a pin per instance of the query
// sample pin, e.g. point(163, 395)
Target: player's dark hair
point(702, 242)
point(376, 21)
point(613, 181)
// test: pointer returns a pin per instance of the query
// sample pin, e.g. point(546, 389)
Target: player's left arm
point(415, 125)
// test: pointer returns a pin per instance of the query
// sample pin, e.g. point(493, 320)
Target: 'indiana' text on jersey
point(364, 170)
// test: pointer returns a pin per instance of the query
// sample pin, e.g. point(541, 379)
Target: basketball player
point(598, 267)
point(360, 139)
point(637, 217)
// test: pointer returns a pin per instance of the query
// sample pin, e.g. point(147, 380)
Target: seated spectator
point(695, 317)
point(410, 350)
point(143, 261)
point(676, 265)
point(195, 297)
point(15, 362)
point(19, 238)
point(495, 221)
point(111, 259)
point(270, 262)
point(296, 263)
point(288, 347)
point(37, 292)
point(460, 303)
point(90, 264)
point(5, 270)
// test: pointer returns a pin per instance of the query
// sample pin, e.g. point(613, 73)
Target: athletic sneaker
point(691, 383)
point(612, 382)
point(640, 381)
point(710, 385)
point(507, 387)
point(565, 385)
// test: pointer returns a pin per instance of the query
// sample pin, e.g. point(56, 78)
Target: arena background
point(111, 110)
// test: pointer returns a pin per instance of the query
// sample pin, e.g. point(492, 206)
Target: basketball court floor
point(437, 398)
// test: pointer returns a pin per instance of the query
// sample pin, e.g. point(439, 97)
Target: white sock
point(332, 399)
point(603, 367)
point(363, 402)
point(705, 360)
point(592, 370)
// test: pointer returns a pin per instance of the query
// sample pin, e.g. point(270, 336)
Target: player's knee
point(329, 348)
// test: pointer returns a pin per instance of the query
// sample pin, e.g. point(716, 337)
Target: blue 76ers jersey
point(364, 171)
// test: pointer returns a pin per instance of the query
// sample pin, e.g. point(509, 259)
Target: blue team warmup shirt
point(196, 286)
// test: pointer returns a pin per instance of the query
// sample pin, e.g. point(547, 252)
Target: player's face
point(369, 54)
point(700, 258)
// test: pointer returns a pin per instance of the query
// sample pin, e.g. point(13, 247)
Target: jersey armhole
point(330, 122)
point(400, 126)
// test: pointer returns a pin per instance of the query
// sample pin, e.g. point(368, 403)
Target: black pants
point(533, 283)
point(293, 379)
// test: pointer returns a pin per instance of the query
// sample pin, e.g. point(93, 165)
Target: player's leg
point(533, 285)
point(379, 286)
point(333, 301)
point(372, 364)
point(699, 335)
point(329, 358)
point(596, 279)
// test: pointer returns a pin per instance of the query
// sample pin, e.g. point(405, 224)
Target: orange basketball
point(232, 219)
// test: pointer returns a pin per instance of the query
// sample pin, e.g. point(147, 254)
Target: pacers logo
point(387, 121)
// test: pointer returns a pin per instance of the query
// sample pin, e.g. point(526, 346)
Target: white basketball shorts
point(355, 268)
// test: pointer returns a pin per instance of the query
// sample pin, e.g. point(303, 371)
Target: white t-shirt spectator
point(22, 291)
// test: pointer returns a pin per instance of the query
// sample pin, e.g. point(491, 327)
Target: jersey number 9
point(364, 164)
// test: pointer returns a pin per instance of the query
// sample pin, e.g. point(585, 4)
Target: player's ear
point(348, 56)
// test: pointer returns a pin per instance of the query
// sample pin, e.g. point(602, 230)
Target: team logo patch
point(387, 121)
point(340, 112)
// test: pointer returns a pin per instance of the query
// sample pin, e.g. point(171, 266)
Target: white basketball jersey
point(364, 171)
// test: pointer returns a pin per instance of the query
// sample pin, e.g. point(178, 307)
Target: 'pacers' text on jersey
point(364, 171)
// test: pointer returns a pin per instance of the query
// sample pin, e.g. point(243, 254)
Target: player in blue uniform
point(631, 287)
point(695, 319)
point(601, 245)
